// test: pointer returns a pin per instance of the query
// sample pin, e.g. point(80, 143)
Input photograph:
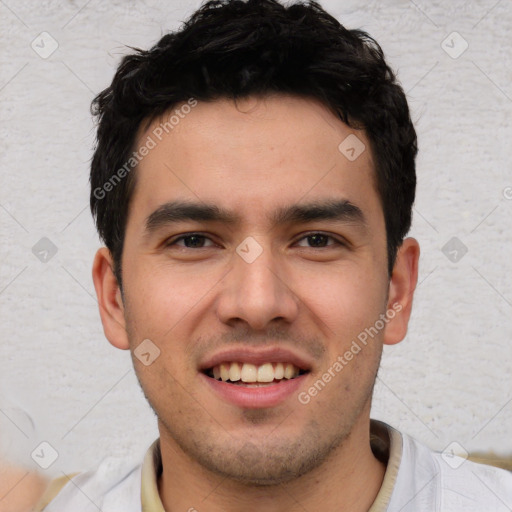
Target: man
point(253, 183)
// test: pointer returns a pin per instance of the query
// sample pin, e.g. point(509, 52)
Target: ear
point(109, 299)
point(401, 290)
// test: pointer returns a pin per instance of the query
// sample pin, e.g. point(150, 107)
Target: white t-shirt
point(417, 479)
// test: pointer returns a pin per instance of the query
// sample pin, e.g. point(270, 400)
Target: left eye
point(318, 240)
point(193, 241)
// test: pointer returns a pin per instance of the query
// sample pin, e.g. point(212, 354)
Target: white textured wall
point(60, 380)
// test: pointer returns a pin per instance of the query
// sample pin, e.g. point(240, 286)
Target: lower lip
point(255, 398)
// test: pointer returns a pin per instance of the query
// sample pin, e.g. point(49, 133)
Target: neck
point(348, 480)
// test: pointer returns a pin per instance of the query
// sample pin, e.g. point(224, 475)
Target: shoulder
point(111, 487)
point(428, 480)
point(470, 486)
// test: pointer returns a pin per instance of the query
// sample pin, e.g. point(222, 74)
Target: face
point(254, 247)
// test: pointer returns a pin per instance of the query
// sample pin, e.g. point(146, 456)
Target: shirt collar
point(387, 446)
point(151, 471)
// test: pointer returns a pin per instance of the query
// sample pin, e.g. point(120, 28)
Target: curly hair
point(235, 49)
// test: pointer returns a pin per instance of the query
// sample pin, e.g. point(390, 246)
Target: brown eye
point(191, 241)
point(318, 240)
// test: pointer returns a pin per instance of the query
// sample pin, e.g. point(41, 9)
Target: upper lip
point(255, 356)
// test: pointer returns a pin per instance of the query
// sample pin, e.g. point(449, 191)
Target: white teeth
point(288, 371)
point(266, 373)
point(234, 372)
point(224, 371)
point(250, 373)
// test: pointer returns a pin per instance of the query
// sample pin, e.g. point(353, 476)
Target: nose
point(257, 293)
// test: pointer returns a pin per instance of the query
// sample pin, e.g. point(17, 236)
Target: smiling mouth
point(251, 375)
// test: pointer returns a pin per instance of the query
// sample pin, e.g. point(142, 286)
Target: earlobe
point(401, 291)
point(110, 300)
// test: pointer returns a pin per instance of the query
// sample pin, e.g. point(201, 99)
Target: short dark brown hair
point(234, 49)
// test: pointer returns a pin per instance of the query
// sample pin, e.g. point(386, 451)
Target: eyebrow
point(337, 210)
point(179, 211)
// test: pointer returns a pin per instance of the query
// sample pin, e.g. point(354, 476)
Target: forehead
point(253, 156)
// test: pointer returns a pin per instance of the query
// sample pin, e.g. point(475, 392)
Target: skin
point(253, 158)
point(20, 489)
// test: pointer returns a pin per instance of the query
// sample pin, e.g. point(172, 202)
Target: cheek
point(161, 297)
point(345, 300)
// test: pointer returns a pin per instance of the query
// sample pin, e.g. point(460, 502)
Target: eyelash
point(173, 241)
